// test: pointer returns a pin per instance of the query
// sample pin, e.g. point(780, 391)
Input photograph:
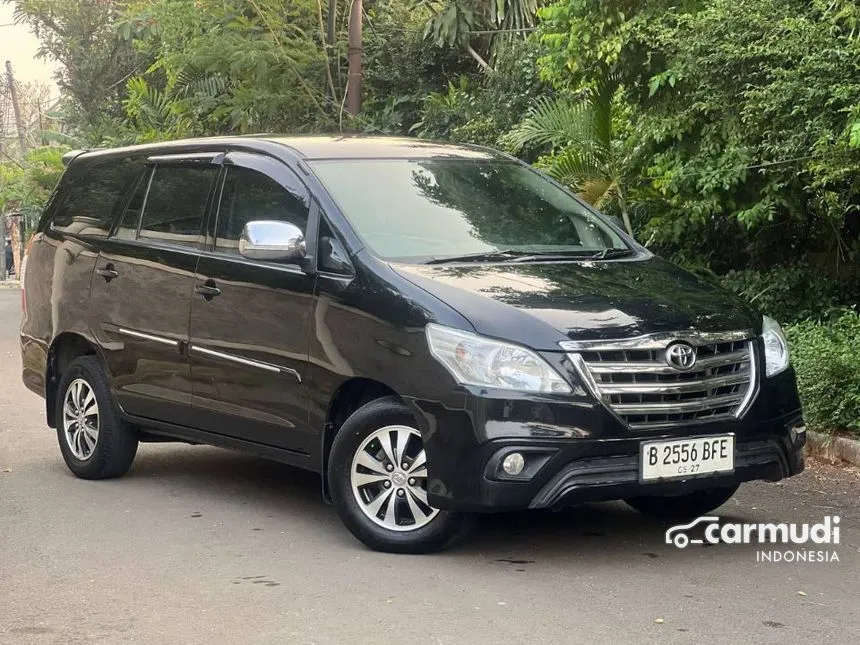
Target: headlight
point(775, 347)
point(476, 360)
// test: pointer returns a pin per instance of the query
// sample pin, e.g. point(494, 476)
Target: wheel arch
point(349, 397)
point(65, 348)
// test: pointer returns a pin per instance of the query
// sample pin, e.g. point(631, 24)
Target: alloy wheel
point(389, 479)
point(81, 419)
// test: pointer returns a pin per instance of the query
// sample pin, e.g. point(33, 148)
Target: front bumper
point(577, 451)
point(617, 477)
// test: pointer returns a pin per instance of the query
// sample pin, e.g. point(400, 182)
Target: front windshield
point(430, 209)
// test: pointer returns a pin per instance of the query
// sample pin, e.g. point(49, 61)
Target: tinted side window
point(176, 204)
point(251, 195)
point(92, 195)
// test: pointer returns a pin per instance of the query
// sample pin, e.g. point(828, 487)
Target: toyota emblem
point(681, 356)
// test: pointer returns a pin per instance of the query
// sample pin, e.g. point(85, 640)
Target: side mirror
point(272, 240)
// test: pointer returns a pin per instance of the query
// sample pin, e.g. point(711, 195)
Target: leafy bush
point(745, 119)
point(480, 109)
point(401, 67)
point(793, 293)
point(25, 186)
point(827, 362)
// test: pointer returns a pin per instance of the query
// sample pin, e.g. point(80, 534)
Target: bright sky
point(19, 45)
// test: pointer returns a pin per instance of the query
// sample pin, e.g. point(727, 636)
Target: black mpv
point(438, 330)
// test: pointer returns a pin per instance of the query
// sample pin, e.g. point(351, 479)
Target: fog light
point(514, 464)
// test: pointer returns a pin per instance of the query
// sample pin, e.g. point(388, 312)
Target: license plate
point(677, 459)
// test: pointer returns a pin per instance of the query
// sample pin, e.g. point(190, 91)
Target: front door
point(141, 290)
point(250, 319)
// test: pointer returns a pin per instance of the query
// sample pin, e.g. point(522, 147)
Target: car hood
point(539, 304)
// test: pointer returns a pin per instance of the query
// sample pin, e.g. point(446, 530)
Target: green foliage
point(450, 24)
point(585, 153)
point(743, 118)
point(793, 293)
point(401, 68)
point(224, 66)
point(827, 363)
point(25, 186)
point(481, 108)
point(94, 60)
point(451, 21)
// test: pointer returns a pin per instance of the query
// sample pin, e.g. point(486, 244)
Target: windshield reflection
point(418, 210)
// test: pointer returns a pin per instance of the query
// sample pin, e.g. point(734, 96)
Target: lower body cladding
point(487, 457)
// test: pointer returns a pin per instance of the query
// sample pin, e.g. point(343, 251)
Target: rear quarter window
point(91, 194)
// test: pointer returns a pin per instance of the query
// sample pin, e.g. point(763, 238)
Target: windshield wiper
point(608, 254)
point(605, 254)
point(531, 256)
point(486, 256)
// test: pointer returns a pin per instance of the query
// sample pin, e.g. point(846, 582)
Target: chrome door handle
point(207, 290)
point(108, 273)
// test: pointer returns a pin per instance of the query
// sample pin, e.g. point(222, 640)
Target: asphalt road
point(201, 545)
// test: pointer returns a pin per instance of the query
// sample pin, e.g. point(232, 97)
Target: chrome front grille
point(634, 379)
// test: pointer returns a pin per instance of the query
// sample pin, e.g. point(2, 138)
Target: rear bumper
point(34, 361)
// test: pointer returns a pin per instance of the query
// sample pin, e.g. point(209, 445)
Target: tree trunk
point(622, 204)
point(332, 15)
point(19, 123)
point(327, 34)
point(353, 81)
point(484, 65)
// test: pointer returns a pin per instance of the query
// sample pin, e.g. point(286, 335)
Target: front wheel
point(681, 507)
point(378, 481)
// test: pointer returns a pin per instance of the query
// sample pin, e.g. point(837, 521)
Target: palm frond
point(585, 170)
point(600, 99)
point(573, 166)
point(598, 191)
point(553, 122)
point(192, 81)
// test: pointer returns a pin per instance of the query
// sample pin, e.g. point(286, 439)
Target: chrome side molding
point(268, 367)
point(143, 336)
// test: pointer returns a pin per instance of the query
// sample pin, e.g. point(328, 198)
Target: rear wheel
point(680, 507)
point(95, 442)
point(378, 481)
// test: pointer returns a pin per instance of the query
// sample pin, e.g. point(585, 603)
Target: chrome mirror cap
point(272, 240)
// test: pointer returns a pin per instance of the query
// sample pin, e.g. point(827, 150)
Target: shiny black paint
point(364, 323)
point(542, 303)
point(263, 314)
point(59, 271)
point(578, 429)
point(151, 295)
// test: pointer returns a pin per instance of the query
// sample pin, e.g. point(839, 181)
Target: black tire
point(116, 443)
point(682, 507)
point(440, 532)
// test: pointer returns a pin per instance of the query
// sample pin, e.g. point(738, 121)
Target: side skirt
point(168, 431)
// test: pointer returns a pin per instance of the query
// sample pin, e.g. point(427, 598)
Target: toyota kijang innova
point(438, 330)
